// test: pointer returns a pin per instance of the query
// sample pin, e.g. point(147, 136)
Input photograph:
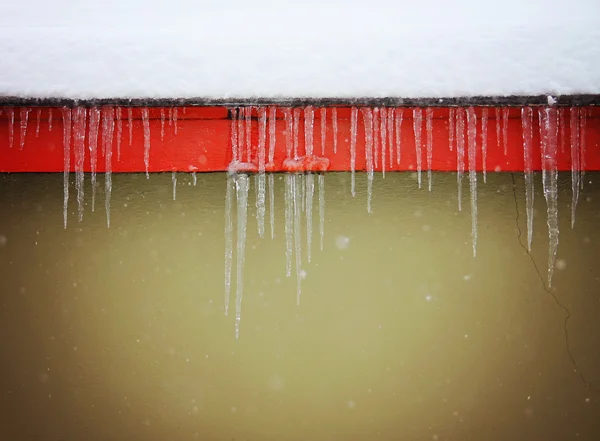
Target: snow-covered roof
point(312, 48)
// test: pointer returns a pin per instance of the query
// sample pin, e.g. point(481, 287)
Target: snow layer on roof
point(328, 48)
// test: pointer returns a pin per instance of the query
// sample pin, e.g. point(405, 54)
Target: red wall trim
point(203, 141)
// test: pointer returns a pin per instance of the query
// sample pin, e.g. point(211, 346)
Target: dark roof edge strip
point(492, 101)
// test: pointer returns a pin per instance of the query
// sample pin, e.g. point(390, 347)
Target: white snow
point(225, 48)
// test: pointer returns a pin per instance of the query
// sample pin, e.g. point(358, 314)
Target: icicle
point(241, 186)
point(108, 127)
point(175, 126)
point(248, 122)
point(272, 132)
point(170, 116)
point(429, 128)
point(353, 135)
point(309, 194)
point(194, 180)
point(289, 223)
point(297, 198)
point(383, 137)
point(93, 148)
point(262, 139)
point(272, 204)
point(162, 124)
point(550, 181)
point(79, 123)
point(367, 114)
point(562, 126)
point(484, 125)
point(241, 134)
point(527, 123)
point(66, 113)
point(50, 119)
point(234, 135)
point(334, 121)
point(289, 131)
point(174, 180)
point(505, 129)
point(460, 152)
point(309, 124)
point(575, 162)
point(228, 239)
point(498, 127)
point(24, 118)
point(417, 128)
point(130, 124)
point(376, 136)
point(11, 126)
point(582, 143)
point(321, 184)
point(119, 131)
point(390, 130)
point(451, 127)
point(399, 116)
point(38, 117)
point(323, 115)
point(146, 124)
point(296, 136)
point(472, 137)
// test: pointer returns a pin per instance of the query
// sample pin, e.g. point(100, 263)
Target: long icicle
point(484, 131)
point(297, 192)
point(146, 124)
point(429, 129)
point(241, 185)
point(390, 129)
point(334, 122)
point(289, 223)
point(472, 152)
point(527, 123)
point(323, 116)
point(575, 162)
point(79, 124)
point(272, 132)
point(119, 121)
point(417, 129)
point(353, 136)
point(262, 158)
point(367, 114)
point(93, 148)
point(321, 183)
point(66, 114)
point(460, 152)
point(383, 137)
point(398, 124)
point(550, 181)
point(228, 238)
point(108, 127)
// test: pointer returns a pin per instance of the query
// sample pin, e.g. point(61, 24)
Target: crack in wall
point(587, 383)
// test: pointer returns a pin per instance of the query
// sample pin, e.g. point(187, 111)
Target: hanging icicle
point(472, 153)
point(460, 152)
point(79, 126)
point(527, 123)
point(549, 121)
point(66, 114)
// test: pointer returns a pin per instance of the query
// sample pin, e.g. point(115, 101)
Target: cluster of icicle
point(83, 128)
point(382, 129)
point(299, 191)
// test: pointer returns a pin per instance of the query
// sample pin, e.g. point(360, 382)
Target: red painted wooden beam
point(202, 141)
